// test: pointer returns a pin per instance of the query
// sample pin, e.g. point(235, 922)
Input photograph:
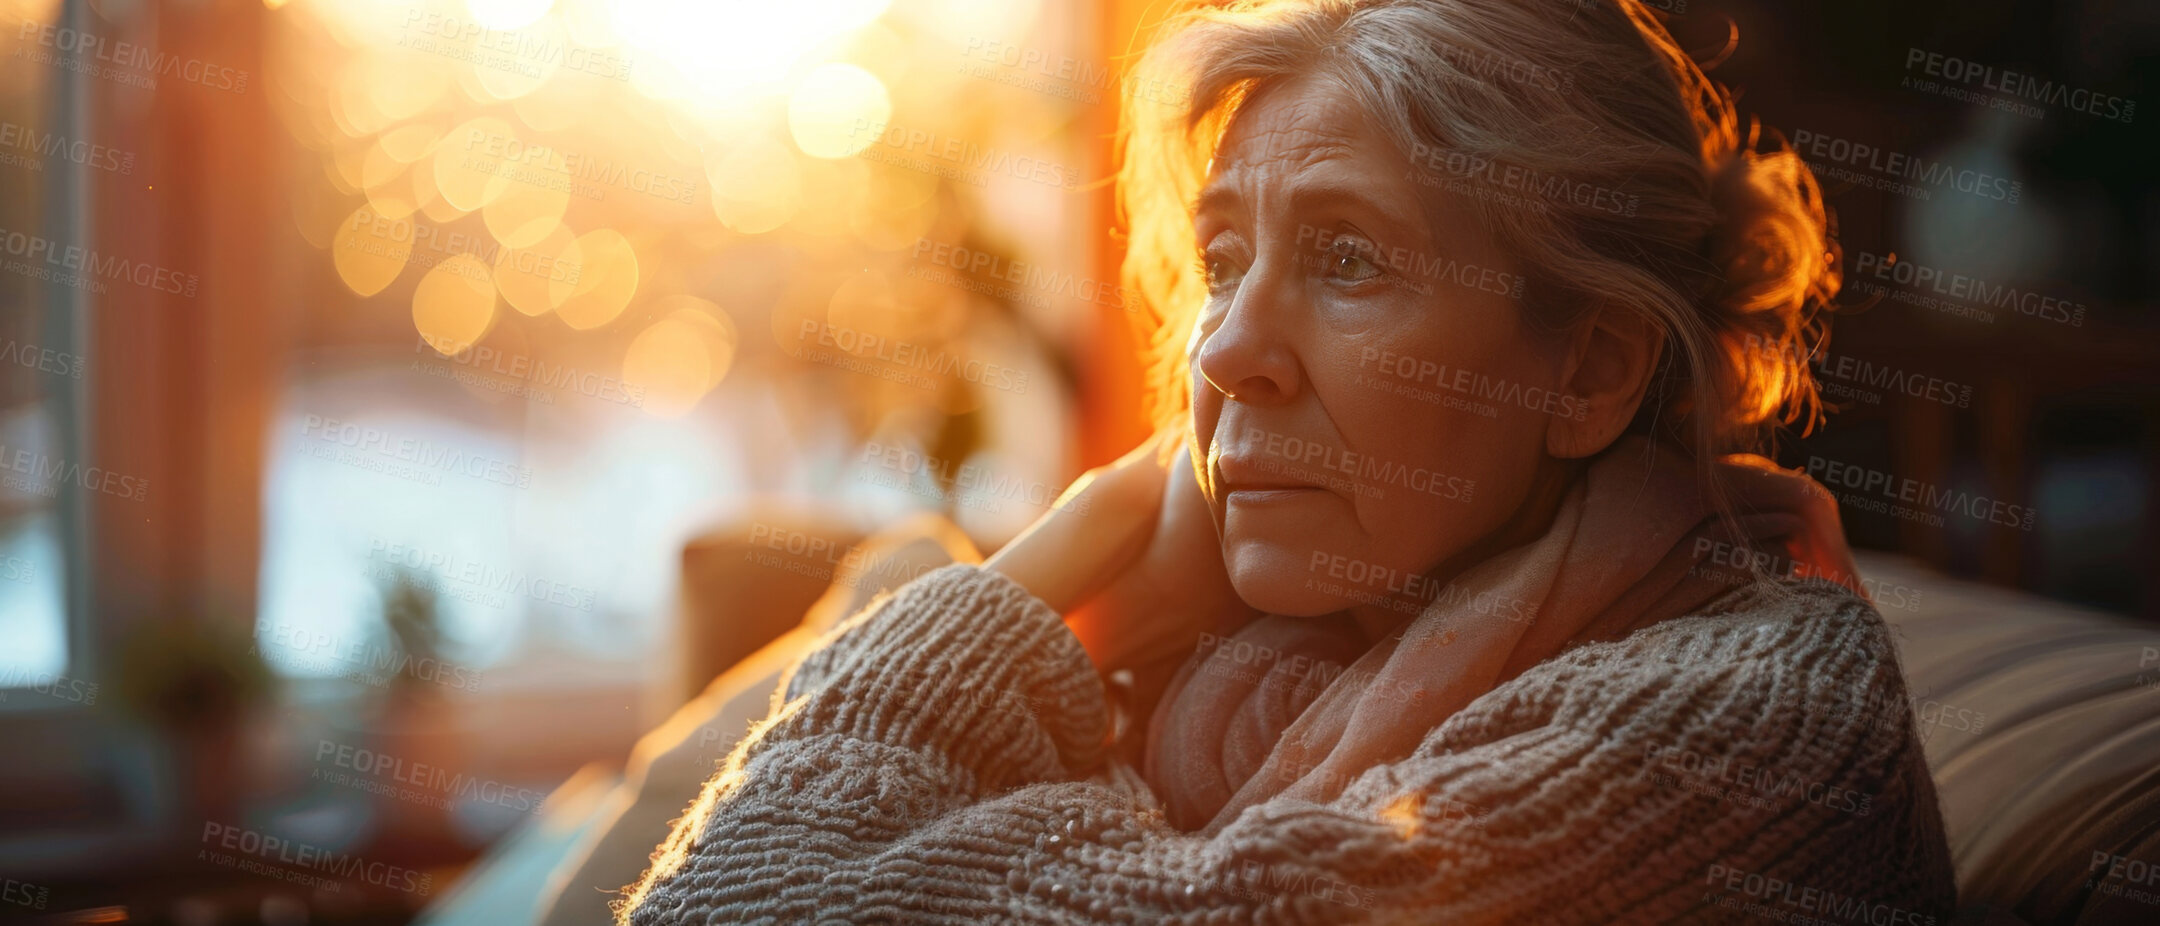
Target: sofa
point(2041, 724)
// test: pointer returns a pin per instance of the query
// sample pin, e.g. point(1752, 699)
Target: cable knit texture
point(941, 759)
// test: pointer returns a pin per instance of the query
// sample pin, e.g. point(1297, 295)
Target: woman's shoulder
point(1775, 620)
point(1780, 639)
point(1799, 675)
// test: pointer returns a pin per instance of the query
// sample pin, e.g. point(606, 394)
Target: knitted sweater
point(942, 759)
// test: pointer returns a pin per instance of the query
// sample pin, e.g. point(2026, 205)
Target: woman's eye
point(1347, 262)
point(1220, 274)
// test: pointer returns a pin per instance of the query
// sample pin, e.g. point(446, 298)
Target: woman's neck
point(1535, 516)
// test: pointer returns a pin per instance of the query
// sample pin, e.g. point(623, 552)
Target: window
point(43, 152)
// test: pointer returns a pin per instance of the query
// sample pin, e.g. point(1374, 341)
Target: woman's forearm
point(924, 768)
point(959, 685)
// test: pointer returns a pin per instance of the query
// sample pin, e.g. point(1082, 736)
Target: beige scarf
point(1271, 709)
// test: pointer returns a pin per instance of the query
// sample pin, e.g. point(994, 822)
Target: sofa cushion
point(2041, 724)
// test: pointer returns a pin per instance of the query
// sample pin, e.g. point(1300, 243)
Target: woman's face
point(1368, 398)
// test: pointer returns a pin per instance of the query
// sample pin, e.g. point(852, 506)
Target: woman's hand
point(1131, 556)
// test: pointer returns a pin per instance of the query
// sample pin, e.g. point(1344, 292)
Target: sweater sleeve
point(924, 766)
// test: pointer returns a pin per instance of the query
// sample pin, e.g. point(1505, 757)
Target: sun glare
point(502, 149)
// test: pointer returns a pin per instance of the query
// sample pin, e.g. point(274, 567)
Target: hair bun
point(1777, 270)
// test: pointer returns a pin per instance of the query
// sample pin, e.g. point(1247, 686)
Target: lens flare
point(512, 63)
point(837, 111)
point(718, 50)
point(507, 14)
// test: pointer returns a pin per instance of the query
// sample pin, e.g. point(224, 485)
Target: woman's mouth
point(1260, 482)
point(1250, 497)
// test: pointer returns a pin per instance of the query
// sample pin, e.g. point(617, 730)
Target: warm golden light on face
point(455, 303)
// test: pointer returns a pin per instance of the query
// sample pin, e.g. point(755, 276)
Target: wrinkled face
point(1369, 399)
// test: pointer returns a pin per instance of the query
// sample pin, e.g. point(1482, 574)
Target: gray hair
point(1624, 180)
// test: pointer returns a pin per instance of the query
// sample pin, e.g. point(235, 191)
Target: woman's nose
point(1251, 357)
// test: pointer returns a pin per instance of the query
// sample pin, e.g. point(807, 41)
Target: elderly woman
point(1492, 303)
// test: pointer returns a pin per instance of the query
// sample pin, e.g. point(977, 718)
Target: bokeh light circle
point(607, 278)
point(370, 250)
point(538, 278)
point(682, 356)
point(757, 187)
point(454, 304)
point(468, 158)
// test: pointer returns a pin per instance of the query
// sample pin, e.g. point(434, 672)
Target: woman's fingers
point(1177, 588)
point(1095, 529)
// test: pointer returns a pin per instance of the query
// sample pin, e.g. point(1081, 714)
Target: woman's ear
point(1610, 360)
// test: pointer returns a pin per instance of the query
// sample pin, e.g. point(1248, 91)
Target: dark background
point(2062, 419)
